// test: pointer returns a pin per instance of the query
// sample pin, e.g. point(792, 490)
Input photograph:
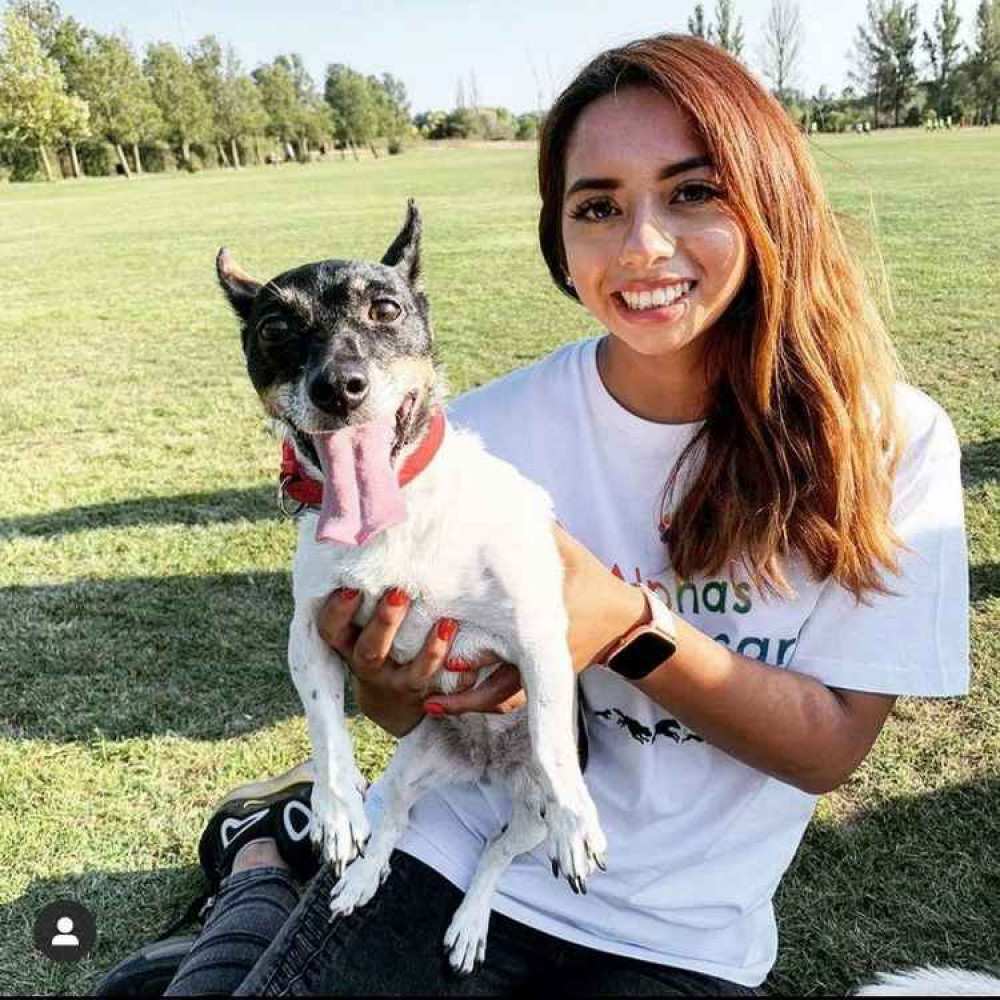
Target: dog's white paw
point(575, 843)
point(357, 886)
point(340, 826)
point(465, 938)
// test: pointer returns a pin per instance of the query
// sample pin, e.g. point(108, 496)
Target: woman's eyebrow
point(610, 183)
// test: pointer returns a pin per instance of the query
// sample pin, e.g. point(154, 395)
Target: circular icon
point(65, 931)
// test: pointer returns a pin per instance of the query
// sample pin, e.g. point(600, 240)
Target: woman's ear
point(239, 287)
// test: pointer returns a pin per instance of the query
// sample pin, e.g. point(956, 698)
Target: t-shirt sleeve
point(917, 642)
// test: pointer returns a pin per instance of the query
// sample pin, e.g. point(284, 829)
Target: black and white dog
point(341, 355)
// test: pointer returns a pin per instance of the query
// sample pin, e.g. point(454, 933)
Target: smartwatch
point(644, 647)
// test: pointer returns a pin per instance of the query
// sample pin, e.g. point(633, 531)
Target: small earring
point(569, 281)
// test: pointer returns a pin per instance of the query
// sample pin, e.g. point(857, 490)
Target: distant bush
point(158, 157)
point(527, 126)
point(395, 147)
point(203, 157)
point(97, 159)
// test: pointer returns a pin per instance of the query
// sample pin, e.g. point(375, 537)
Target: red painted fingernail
point(446, 628)
point(459, 666)
point(349, 593)
point(396, 597)
point(434, 708)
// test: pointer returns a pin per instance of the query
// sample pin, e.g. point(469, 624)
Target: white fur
point(477, 547)
point(933, 982)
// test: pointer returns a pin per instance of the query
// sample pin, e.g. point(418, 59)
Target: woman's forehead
point(633, 131)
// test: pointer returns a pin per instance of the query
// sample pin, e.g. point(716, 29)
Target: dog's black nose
point(344, 392)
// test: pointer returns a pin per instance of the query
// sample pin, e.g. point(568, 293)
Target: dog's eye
point(384, 311)
point(273, 331)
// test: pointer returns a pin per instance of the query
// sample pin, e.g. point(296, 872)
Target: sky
point(520, 52)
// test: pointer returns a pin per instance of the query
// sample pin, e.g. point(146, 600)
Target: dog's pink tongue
point(361, 495)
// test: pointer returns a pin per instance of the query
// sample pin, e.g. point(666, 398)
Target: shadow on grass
point(201, 657)
point(984, 582)
point(912, 882)
point(131, 909)
point(981, 462)
point(258, 504)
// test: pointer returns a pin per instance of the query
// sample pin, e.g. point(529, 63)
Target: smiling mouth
point(661, 297)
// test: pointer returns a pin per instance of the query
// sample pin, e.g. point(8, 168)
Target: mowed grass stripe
point(144, 579)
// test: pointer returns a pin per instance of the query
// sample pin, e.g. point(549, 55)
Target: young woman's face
point(652, 250)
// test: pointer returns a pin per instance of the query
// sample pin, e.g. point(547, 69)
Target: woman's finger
point(375, 640)
point(334, 621)
point(414, 676)
point(500, 693)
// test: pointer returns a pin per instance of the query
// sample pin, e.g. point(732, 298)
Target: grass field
point(144, 587)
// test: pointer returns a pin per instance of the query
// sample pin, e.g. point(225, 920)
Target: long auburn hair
point(801, 440)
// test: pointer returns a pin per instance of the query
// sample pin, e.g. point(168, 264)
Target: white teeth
point(663, 295)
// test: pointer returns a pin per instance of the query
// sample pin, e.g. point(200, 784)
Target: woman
point(738, 441)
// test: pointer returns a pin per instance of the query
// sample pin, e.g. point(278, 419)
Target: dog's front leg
point(423, 760)
point(576, 842)
point(339, 822)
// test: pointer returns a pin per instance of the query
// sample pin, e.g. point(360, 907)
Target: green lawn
point(144, 570)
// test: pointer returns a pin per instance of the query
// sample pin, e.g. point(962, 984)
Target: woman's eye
point(594, 210)
point(384, 311)
point(694, 194)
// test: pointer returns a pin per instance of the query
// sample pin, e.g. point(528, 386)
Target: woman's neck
point(670, 391)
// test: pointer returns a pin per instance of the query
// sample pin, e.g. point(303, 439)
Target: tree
point(121, 103)
point(781, 47)
point(280, 99)
point(174, 87)
point(354, 107)
point(696, 22)
point(727, 32)
point(942, 48)
point(311, 122)
point(884, 47)
point(62, 39)
point(34, 106)
point(984, 62)
point(237, 111)
point(392, 106)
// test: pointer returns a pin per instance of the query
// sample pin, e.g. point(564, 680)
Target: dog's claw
point(555, 868)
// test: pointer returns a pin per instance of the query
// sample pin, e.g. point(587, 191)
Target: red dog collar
point(308, 492)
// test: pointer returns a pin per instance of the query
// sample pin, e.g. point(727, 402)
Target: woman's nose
point(646, 241)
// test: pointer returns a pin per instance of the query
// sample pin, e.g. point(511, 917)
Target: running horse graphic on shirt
point(669, 728)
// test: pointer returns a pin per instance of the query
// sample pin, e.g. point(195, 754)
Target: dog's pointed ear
point(404, 254)
point(239, 287)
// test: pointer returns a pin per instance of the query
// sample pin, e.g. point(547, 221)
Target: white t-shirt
point(697, 840)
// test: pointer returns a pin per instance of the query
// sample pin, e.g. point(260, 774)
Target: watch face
point(642, 655)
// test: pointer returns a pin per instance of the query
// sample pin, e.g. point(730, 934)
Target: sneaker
point(147, 972)
point(279, 808)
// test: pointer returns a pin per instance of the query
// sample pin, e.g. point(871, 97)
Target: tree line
point(900, 73)
point(76, 101)
point(89, 99)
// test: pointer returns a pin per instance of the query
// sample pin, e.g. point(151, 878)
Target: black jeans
point(258, 942)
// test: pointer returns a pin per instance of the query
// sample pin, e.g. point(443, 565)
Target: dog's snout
point(355, 385)
point(340, 393)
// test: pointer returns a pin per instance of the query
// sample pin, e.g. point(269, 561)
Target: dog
point(933, 982)
point(341, 354)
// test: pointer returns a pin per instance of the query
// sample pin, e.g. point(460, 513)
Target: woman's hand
point(601, 608)
point(391, 694)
